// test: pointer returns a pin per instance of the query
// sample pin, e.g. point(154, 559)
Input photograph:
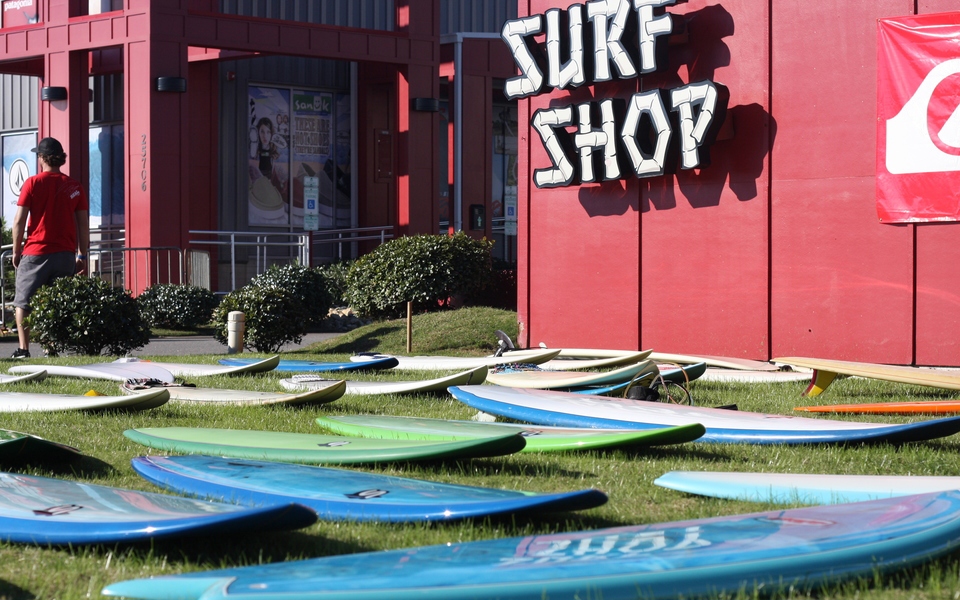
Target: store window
point(19, 163)
point(299, 159)
point(504, 192)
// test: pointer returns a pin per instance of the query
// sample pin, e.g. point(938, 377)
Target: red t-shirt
point(52, 199)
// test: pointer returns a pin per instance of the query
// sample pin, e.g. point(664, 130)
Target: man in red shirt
point(53, 209)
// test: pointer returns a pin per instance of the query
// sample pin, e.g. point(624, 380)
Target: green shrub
point(335, 281)
point(86, 315)
point(273, 317)
point(173, 306)
point(305, 284)
point(429, 270)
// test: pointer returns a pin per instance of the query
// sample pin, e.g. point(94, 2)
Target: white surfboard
point(567, 362)
point(440, 384)
point(202, 370)
point(14, 402)
point(741, 376)
point(35, 376)
point(112, 371)
point(804, 488)
point(724, 362)
point(181, 393)
point(462, 363)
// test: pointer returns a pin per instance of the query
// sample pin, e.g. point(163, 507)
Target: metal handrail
point(385, 233)
point(260, 242)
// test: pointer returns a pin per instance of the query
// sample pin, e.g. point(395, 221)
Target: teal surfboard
point(43, 510)
point(539, 439)
point(316, 449)
point(704, 558)
point(681, 376)
point(340, 494)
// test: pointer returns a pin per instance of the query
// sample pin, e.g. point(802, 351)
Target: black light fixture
point(53, 93)
point(171, 84)
point(426, 104)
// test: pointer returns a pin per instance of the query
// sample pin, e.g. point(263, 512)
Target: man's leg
point(22, 332)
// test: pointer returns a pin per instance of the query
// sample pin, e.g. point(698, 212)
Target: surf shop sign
point(614, 139)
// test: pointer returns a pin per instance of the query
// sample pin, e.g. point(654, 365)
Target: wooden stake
point(409, 327)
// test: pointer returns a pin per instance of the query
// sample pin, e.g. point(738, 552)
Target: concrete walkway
point(172, 346)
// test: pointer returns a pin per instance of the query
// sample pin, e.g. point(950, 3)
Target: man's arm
point(83, 238)
point(19, 227)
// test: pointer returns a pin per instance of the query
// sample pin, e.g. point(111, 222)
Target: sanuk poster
point(918, 119)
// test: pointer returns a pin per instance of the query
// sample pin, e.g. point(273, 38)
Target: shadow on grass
point(8, 591)
point(367, 342)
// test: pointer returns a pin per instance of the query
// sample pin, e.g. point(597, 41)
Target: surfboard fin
point(819, 382)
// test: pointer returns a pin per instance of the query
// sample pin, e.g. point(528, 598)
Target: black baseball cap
point(48, 146)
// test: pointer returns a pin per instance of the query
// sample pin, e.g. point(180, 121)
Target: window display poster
point(311, 151)
point(269, 154)
point(18, 164)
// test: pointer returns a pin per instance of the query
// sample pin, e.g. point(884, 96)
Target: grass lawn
point(626, 476)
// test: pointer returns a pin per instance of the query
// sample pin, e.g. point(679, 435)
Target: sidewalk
point(172, 346)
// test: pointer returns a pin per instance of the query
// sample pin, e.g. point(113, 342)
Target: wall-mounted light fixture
point(171, 84)
point(53, 93)
point(426, 104)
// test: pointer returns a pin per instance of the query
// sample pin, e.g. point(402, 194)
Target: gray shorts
point(38, 270)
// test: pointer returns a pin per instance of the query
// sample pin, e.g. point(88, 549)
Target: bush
point(305, 284)
point(173, 306)
point(86, 315)
point(429, 270)
point(335, 282)
point(273, 317)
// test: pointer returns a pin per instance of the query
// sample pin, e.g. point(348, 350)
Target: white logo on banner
point(18, 174)
point(909, 146)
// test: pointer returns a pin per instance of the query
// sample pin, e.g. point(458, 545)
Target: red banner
point(918, 118)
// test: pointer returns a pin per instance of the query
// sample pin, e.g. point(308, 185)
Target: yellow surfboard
point(825, 371)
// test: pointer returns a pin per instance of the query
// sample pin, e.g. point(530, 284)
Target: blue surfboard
point(682, 375)
point(42, 510)
point(774, 550)
point(339, 494)
point(803, 488)
point(312, 366)
point(563, 409)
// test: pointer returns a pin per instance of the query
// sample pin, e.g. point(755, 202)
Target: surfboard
point(742, 376)
point(928, 407)
point(315, 449)
point(15, 402)
point(461, 363)
point(805, 488)
point(571, 363)
point(111, 371)
point(440, 384)
point(519, 376)
point(309, 366)
point(340, 494)
point(547, 407)
point(826, 371)
point(539, 438)
point(681, 375)
point(330, 391)
point(24, 448)
point(47, 511)
point(723, 362)
point(703, 558)
point(203, 370)
point(35, 376)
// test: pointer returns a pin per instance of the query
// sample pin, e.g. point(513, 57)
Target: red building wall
point(775, 248)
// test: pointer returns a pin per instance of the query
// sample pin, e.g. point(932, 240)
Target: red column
point(157, 146)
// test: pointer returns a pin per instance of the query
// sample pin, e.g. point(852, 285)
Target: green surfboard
point(539, 439)
point(317, 449)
